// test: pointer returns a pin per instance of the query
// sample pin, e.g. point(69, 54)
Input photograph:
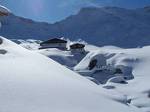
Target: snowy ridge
point(105, 26)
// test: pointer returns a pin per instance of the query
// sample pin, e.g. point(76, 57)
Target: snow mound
point(31, 82)
point(134, 79)
point(29, 44)
point(65, 58)
point(84, 64)
point(117, 79)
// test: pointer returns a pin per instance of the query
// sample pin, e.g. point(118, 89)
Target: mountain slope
point(100, 26)
point(130, 86)
point(31, 82)
point(134, 64)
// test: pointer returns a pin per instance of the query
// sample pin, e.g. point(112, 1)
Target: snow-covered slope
point(132, 86)
point(135, 65)
point(31, 82)
point(29, 44)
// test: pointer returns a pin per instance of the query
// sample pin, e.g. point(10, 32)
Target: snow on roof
point(4, 11)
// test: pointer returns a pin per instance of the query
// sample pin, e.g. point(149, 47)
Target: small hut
point(54, 43)
point(77, 47)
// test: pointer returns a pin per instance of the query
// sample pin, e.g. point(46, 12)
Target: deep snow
point(134, 63)
point(31, 82)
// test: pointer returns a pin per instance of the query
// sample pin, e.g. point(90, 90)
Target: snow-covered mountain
point(107, 79)
point(99, 26)
point(131, 86)
point(31, 82)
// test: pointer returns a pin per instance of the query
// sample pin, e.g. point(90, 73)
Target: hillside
point(99, 26)
point(94, 79)
point(131, 86)
point(32, 82)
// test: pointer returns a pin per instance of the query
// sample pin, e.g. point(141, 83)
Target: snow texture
point(31, 82)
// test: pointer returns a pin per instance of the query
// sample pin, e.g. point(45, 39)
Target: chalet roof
point(77, 45)
point(54, 40)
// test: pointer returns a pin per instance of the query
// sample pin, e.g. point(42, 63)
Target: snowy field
point(31, 82)
point(129, 89)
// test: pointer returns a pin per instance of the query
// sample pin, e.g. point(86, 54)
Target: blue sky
point(55, 10)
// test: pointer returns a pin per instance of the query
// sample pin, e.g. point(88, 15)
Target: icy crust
point(31, 82)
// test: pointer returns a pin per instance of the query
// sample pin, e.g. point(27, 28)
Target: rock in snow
point(4, 10)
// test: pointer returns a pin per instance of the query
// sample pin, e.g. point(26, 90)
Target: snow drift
point(134, 64)
point(31, 82)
